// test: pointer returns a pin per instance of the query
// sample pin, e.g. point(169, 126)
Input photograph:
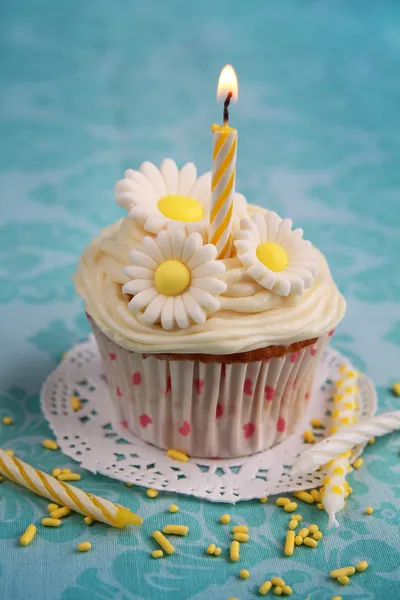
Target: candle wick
point(226, 104)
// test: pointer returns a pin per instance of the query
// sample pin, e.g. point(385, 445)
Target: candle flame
point(227, 82)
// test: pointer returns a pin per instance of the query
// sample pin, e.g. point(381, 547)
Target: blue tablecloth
point(90, 88)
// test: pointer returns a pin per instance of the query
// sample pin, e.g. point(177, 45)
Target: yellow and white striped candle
point(223, 188)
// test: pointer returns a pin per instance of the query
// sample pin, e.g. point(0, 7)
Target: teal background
point(88, 88)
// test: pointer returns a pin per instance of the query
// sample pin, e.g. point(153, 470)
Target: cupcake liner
point(209, 409)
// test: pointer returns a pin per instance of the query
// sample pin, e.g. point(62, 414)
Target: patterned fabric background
point(90, 88)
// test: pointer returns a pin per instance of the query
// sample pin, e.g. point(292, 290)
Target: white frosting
point(250, 316)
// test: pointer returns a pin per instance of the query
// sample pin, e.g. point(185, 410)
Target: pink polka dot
point(112, 356)
point(124, 424)
point(306, 395)
point(269, 392)
point(219, 411)
point(248, 430)
point(248, 387)
point(294, 357)
point(136, 378)
point(331, 332)
point(313, 351)
point(87, 314)
point(184, 429)
point(168, 385)
point(145, 420)
point(199, 384)
point(119, 393)
point(281, 425)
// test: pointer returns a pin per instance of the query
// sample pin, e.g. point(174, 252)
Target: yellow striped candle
point(223, 169)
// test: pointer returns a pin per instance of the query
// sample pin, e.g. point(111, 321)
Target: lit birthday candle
point(223, 168)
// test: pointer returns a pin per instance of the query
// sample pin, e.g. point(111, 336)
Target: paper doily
point(90, 437)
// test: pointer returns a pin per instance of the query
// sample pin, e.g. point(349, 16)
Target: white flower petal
point(244, 246)
point(180, 313)
point(134, 286)
point(193, 308)
point(209, 269)
point(141, 215)
point(193, 242)
point(268, 279)
point(151, 248)
point(259, 221)
point(282, 286)
point(170, 173)
point(201, 187)
point(294, 241)
point(142, 299)
point(258, 270)
point(187, 177)
point(142, 259)
point(239, 205)
point(202, 255)
point(153, 311)
point(139, 273)
point(304, 273)
point(178, 238)
point(167, 314)
point(272, 222)
point(164, 243)
point(210, 284)
point(143, 181)
point(153, 174)
point(248, 258)
point(296, 283)
point(155, 223)
point(240, 234)
point(284, 230)
point(126, 200)
point(205, 299)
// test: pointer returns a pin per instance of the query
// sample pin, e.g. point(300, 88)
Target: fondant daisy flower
point(155, 197)
point(174, 279)
point(274, 255)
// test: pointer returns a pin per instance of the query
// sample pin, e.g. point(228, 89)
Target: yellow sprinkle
point(7, 420)
point(48, 522)
point(321, 490)
point(338, 397)
point(277, 581)
point(303, 533)
point(225, 519)
point(175, 529)
point(56, 472)
point(69, 477)
point(342, 368)
point(310, 542)
point(173, 508)
point(362, 566)
point(217, 551)
point(357, 463)
point(60, 512)
point(289, 543)
point(349, 406)
point(371, 441)
point(151, 493)
point(263, 500)
point(309, 437)
point(346, 454)
point(231, 598)
point(327, 480)
point(369, 510)
point(177, 455)
point(321, 506)
point(298, 540)
point(349, 389)
point(293, 523)
point(244, 574)
point(84, 546)
point(343, 571)
point(240, 529)
point(234, 551)
point(343, 579)
point(336, 598)
point(291, 507)
point(50, 444)
point(287, 590)
point(350, 490)
point(297, 517)
point(157, 553)
point(28, 535)
point(339, 383)
point(336, 489)
point(338, 470)
point(313, 528)
point(75, 403)
point(66, 470)
point(352, 374)
point(88, 520)
point(241, 537)
point(345, 421)
point(317, 423)
point(317, 535)
point(51, 507)
point(396, 388)
point(278, 590)
point(9, 452)
point(164, 543)
point(128, 484)
point(264, 588)
point(304, 496)
point(333, 429)
point(211, 549)
point(281, 501)
point(335, 413)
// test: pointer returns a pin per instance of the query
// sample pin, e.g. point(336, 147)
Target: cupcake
point(213, 357)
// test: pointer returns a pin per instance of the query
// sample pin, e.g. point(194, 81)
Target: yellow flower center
point(273, 256)
point(180, 208)
point(171, 277)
